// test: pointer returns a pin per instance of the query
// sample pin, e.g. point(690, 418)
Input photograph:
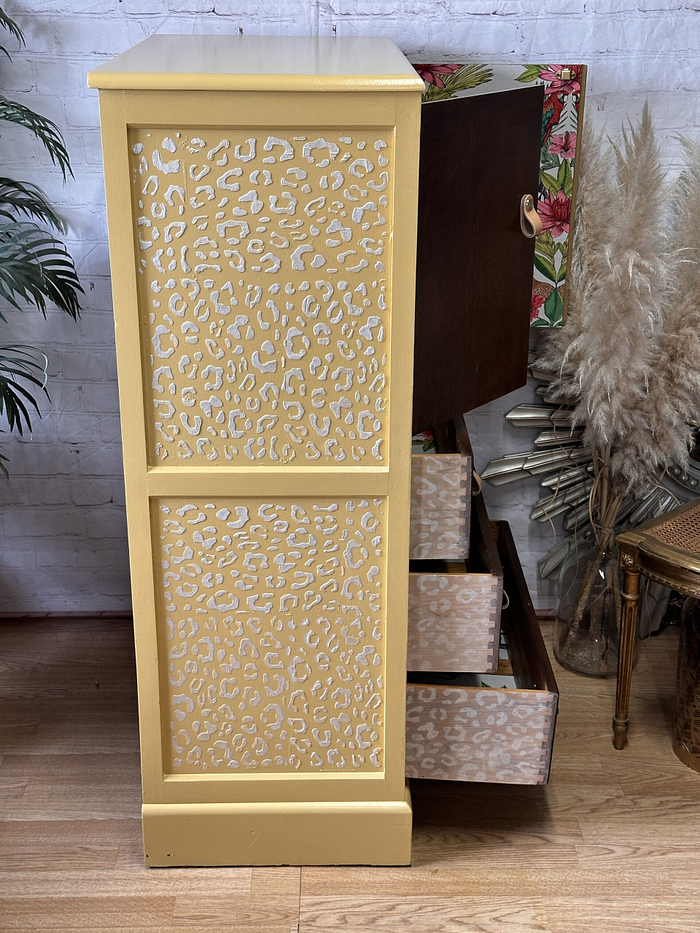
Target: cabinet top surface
point(259, 63)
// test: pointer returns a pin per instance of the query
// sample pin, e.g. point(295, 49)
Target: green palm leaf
point(17, 364)
point(11, 26)
point(22, 371)
point(36, 268)
point(44, 129)
point(18, 197)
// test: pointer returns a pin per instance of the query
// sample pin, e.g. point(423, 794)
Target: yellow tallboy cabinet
point(262, 197)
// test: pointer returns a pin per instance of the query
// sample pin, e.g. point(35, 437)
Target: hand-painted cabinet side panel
point(263, 289)
point(271, 629)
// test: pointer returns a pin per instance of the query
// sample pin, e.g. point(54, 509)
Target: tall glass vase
point(589, 605)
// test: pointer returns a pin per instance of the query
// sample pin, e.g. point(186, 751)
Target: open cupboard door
point(479, 157)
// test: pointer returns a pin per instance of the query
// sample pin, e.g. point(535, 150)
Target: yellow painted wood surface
point(263, 248)
point(258, 63)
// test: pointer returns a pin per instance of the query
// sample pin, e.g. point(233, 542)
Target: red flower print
point(564, 145)
point(556, 85)
point(537, 302)
point(431, 73)
point(555, 212)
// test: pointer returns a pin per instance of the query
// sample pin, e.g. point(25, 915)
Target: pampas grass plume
point(628, 357)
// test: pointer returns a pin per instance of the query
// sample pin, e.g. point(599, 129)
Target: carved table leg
point(628, 629)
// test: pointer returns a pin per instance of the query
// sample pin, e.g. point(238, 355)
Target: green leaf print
point(561, 275)
point(546, 245)
point(550, 183)
point(548, 159)
point(565, 180)
point(546, 267)
point(531, 73)
point(554, 308)
point(468, 77)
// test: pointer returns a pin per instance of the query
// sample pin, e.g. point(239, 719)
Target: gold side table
point(666, 550)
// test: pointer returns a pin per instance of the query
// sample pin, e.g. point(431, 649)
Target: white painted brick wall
point(62, 529)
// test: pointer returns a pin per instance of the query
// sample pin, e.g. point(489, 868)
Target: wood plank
point(12, 788)
point(595, 804)
point(574, 767)
point(73, 769)
point(472, 879)
point(12, 791)
point(651, 821)
point(636, 913)
point(18, 735)
point(53, 859)
point(82, 736)
point(501, 844)
point(421, 914)
point(144, 882)
point(285, 880)
point(650, 775)
point(65, 833)
point(76, 801)
point(266, 914)
point(231, 927)
point(87, 911)
point(648, 855)
point(96, 680)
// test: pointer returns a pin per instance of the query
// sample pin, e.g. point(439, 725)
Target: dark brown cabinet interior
point(479, 156)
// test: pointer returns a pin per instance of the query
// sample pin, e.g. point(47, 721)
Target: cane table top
point(682, 531)
point(666, 549)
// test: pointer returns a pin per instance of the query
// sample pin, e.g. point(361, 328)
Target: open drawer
point(460, 729)
point(454, 607)
point(441, 497)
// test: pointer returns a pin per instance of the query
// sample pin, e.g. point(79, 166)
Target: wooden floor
point(610, 846)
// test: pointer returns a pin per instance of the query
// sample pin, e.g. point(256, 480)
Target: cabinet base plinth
point(355, 833)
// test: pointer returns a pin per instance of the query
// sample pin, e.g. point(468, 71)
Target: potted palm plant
point(36, 270)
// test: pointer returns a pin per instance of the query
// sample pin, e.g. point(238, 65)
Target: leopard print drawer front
point(468, 734)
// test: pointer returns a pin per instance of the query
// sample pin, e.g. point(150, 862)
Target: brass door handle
point(530, 222)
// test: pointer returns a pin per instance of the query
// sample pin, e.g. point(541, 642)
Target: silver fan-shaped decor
point(564, 464)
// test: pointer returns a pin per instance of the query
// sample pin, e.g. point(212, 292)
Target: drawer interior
point(523, 663)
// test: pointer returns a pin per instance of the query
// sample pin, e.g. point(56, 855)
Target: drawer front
point(453, 621)
point(454, 612)
point(467, 734)
point(440, 506)
point(501, 735)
